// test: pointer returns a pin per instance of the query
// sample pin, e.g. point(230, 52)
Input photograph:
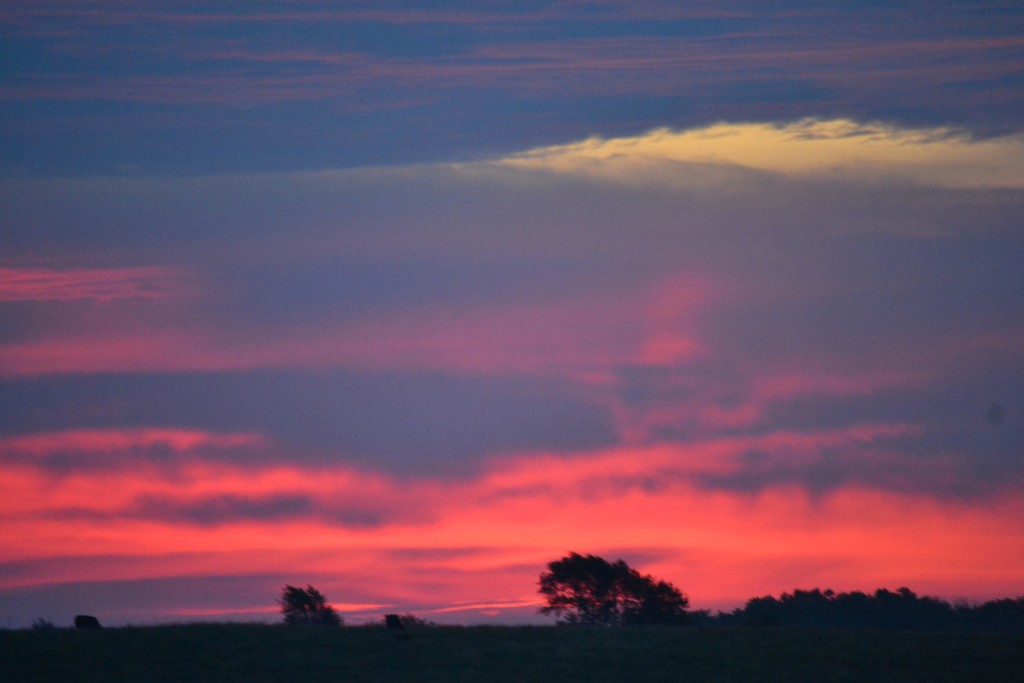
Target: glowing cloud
point(809, 149)
point(475, 547)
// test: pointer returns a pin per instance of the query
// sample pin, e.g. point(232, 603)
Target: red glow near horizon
point(471, 548)
point(490, 536)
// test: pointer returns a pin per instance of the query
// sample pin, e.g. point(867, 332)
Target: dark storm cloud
point(413, 423)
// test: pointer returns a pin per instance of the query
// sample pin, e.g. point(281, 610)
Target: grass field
point(253, 653)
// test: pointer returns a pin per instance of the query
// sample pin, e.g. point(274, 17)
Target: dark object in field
point(86, 621)
point(393, 622)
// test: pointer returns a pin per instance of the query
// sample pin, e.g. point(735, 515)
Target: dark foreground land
point(253, 653)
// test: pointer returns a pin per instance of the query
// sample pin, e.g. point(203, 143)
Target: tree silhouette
point(586, 589)
point(307, 607)
point(901, 609)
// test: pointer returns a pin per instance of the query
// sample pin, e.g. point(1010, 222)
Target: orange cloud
point(836, 149)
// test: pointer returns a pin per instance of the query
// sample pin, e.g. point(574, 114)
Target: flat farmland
point(252, 653)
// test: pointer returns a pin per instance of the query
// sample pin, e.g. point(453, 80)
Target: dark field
point(254, 653)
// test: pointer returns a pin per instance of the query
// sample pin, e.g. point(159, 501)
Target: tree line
point(589, 590)
point(884, 609)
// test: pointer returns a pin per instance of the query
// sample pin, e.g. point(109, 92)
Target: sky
point(406, 301)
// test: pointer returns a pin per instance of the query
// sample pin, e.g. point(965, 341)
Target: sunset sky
point(405, 302)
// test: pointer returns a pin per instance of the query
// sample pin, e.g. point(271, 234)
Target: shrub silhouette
point(586, 589)
point(41, 624)
point(307, 607)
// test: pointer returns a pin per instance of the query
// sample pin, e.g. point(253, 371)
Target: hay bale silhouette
point(86, 621)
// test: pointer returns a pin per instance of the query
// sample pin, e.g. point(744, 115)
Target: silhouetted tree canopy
point(586, 589)
point(307, 607)
point(884, 609)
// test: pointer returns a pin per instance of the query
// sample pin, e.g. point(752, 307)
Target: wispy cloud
point(98, 284)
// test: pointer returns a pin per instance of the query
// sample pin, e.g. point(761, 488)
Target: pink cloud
point(481, 542)
point(658, 326)
point(99, 284)
point(112, 351)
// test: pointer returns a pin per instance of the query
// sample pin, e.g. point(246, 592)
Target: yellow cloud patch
point(811, 148)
